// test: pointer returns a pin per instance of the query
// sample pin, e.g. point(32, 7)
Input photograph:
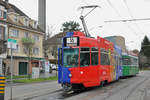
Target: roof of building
point(19, 24)
point(16, 10)
point(56, 39)
point(13, 8)
point(2, 3)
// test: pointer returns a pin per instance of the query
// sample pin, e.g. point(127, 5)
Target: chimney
point(42, 15)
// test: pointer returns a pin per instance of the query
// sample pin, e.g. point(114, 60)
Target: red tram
point(85, 61)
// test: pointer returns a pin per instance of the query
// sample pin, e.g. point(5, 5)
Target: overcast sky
point(59, 11)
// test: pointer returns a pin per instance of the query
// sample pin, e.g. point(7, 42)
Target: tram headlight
point(70, 75)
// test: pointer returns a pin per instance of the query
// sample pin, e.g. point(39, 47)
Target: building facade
point(3, 29)
point(20, 27)
point(51, 46)
point(118, 40)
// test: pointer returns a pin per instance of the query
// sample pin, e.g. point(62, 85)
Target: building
point(119, 40)
point(3, 29)
point(51, 45)
point(22, 28)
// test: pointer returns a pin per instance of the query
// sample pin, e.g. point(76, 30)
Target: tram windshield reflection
point(71, 56)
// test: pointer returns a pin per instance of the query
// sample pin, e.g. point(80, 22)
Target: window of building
point(35, 24)
point(104, 57)
point(36, 38)
point(17, 49)
point(94, 56)
point(25, 50)
point(36, 51)
point(15, 18)
point(84, 57)
point(26, 22)
point(1, 14)
point(1, 32)
point(26, 34)
point(5, 15)
point(15, 33)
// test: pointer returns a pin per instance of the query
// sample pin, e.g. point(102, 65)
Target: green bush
point(28, 40)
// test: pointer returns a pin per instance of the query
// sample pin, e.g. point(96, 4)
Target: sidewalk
point(42, 75)
point(21, 92)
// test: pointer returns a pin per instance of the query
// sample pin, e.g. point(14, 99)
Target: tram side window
point(84, 57)
point(94, 56)
point(126, 61)
point(134, 61)
point(120, 61)
point(104, 57)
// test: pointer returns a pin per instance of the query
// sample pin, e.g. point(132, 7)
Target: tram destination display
point(71, 41)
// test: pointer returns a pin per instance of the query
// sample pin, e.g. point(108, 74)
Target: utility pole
point(11, 72)
point(11, 45)
point(82, 18)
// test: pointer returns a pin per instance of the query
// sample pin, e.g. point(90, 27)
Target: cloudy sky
point(59, 11)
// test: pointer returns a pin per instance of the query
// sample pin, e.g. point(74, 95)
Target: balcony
point(28, 41)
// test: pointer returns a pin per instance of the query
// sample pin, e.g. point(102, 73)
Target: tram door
point(88, 65)
point(59, 65)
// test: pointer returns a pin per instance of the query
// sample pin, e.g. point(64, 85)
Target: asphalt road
point(131, 88)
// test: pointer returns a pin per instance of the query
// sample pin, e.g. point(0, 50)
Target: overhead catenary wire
point(128, 20)
point(108, 1)
point(131, 15)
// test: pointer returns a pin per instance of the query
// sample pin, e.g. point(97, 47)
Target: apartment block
point(22, 28)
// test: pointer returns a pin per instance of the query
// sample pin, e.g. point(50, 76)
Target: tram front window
point(71, 56)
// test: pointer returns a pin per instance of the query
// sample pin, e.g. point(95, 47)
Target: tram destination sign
point(71, 41)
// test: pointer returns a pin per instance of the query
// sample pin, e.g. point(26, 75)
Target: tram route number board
point(72, 41)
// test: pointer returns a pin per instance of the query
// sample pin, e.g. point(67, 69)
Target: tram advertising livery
point(87, 62)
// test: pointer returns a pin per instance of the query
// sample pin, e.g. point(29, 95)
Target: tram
point(129, 65)
point(87, 62)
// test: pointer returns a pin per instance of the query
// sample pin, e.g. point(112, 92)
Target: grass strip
point(17, 77)
point(35, 80)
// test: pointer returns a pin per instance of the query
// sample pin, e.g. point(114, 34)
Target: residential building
point(51, 45)
point(119, 40)
point(3, 36)
point(3, 29)
point(21, 27)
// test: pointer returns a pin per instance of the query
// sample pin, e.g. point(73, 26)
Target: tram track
point(105, 93)
point(57, 91)
point(113, 93)
point(134, 88)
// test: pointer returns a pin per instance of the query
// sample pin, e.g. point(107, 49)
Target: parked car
point(53, 66)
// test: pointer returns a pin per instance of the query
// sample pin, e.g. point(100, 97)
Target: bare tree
point(49, 32)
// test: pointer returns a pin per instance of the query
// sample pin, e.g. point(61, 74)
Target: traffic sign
point(12, 44)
